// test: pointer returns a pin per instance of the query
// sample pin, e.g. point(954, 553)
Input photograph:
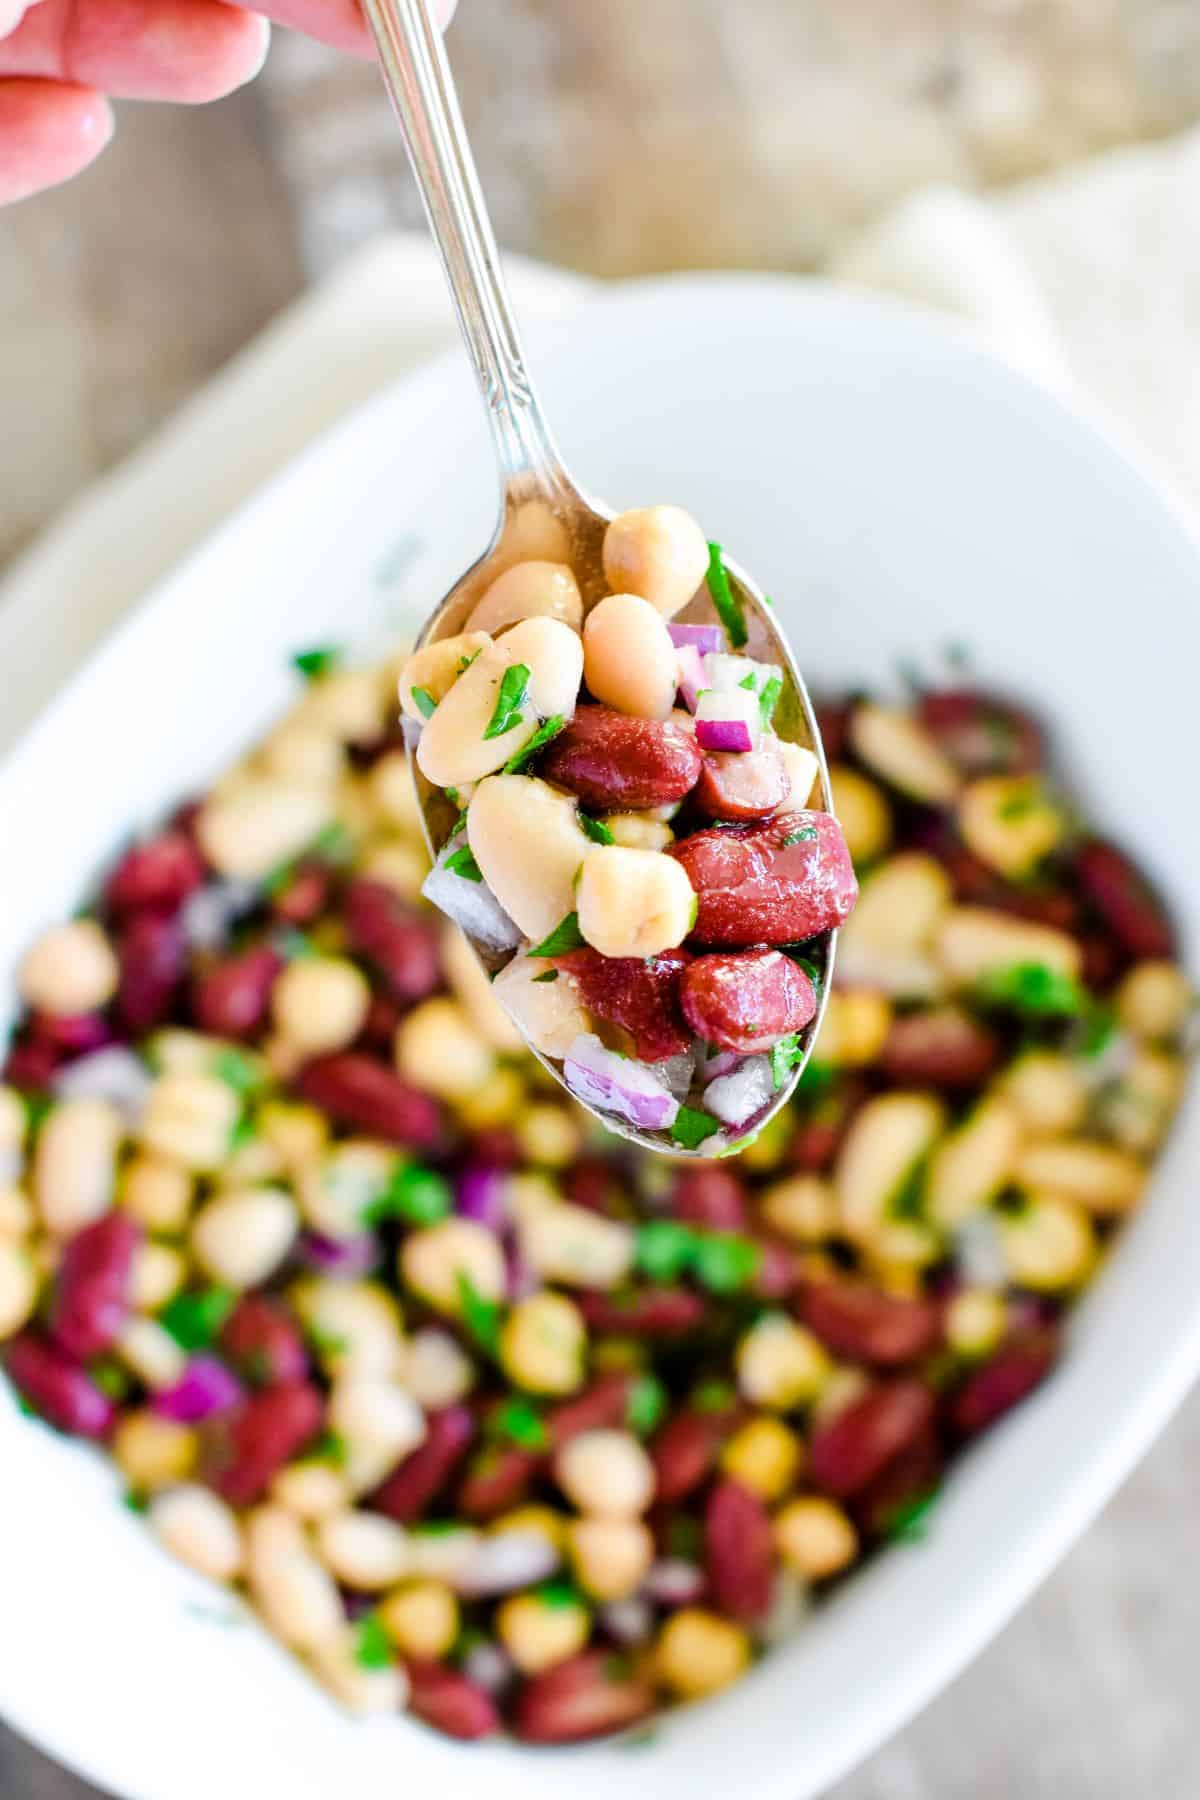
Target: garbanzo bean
point(815, 1537)
point(699, 1653)
point(241, 1237)
point(311, 1490)
point(189, 1120)
point(547, 1134)
point(975, 1321)
point(658, 552)
point(74, 1164)
point(435, 668)
point(765, 1456)
point(549, 1013)
point(539, 1632)
point(352, 703)
point(529, 590)
point(71, 969)
point(439, 1260)
point(802, 769)
point(155, 1192)
point(355, 1326)
point(303, 752)
point(319, 1003)
point(1138, 1108)
point(421, 1618)
point(439, 1049)
point(780, 1365)
point(16, 1212)
point(633, 902)
point(1010, 823)
point(1154, 1000)
point(801, 1208)
point(863, 813)
point(1049, 1245)
point(854, 1029)
point(497, 1102)
point(610, 1558)
point(638, 831)
point(153, 1453)
point(527, 840)
point(542, 1345)
point(607, 1472)
point(437, 1370)
point(197, 1527)
point(1048, 1090)
point(337, 1188)
point(629, 660)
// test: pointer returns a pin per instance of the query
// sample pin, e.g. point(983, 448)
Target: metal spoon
point(544, 513)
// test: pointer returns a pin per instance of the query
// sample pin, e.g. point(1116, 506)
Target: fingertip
point(209, 51)
point(51, 131)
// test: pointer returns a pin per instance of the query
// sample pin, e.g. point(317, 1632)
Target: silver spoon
point(543, 510)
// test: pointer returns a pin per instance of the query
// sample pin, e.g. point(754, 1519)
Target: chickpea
point(549, 1013)
point(189, 1120)
point(889, 1137)
point(198, 1529)
point(974, 942)
point(16, 1212)
point(1105, 1180)
point(422, 1618)
point(311, 1490)
point(1137, 1110)
point(542, 1345)
point(154, 1453)
point(1049, 1245)
point(435, 1261)
point(1047, 1090)
point(606, 1472)
point(854, 1030)
point(548, 1135)
point(527, 840)
point(380, 1424)
point(658, 552)
point(499, 1101)
point(577, 1247)
point(765, 1456)
point(320, 1003)
point(435, 668)
point(1010, 823)
point(356, 1324)
point(801, 1208)
point(610, 1557)
point(541, 1519)
point(437, 1370)
point(301, 752)
point(438, 1049)
point(151, 1353)
point(975, 1321)
point(526, 591)
point(74, 1164)
point(896, 747)
point(398, 865)
point(1154, 1000)
point(18, 1288)
point(157, 1193)
point(71, 969)
point(336, 1190)
point(969, 1168)
point(299, 1133)
point(366, 1693)
point(253, 824)
point(241, 1236)
point(863, 813)
point(473, 991)
point(352, 703)
point(815, 1537)
point(638, 831)
point(364, 1550)
point(802, 769)
point(780, 1365)
point(539, 1632)
point(633, 902)
point(629, 660)
point(699, 1653)
point(393, 796)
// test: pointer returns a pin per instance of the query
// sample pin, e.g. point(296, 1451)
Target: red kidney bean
point(686, 1448)
point(244, 1449)
point(153, 958)
point(365, 1095)
point(654, 1312)
point(1124, 899)
point(1102, 960)
point(450, 1702)
point(57, 1388)
point(593, 1182)
point(777, 1275)
point(617, 763)
point(823, 1123)
point(232, 998)
point(739, 1553)
point(498, 1146)
point(262, 1341)
point(399, 941)
point(305, 894)
point(854, 1448)
point(941, 1046)
point(73, 1036)
point(585, 1697)
point(710, 1196)
point(856, 1321)
point(908, 1479)
point(833, 724)
point(755, 887)
point(746, 1003)
point(423, 1474)
point(641, 995)
point(1005, 1379)
point(30, 1065)
point(600, 1406)
point(497, 1479)
point(983, 734)
point(91, 1290)
point(157, 876)
point(742, 785)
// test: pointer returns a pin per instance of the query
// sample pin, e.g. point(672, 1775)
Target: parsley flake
point(691, 1127)
point(462, 863)
point(319, 661)
point(1034, 990)
point(415, 1195)
point(481, 1317)
point(520, 1421)
point(599, 834)
point(194, 1319)
point(559, 1595)
point(541, 737)
point(565, 936)
point(646, 1404)
point(237, 1070)
point(510, 700)
point(725, 1262)
point(664, 1248)
point(768, 700)
point(785, 1055)
point(425, 702)
point(550, 975)
point(805, 835)
point(910, 1521)
point(729, 607)
point(372, 1646)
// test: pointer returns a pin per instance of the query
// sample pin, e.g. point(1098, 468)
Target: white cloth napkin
point(1088, 279)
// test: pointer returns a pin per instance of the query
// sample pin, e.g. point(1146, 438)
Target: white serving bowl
point(895, 490)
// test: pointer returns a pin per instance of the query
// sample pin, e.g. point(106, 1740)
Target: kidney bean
point(746, 1003)
point(908, 1479)
point(983, 734)
point(153, 958)
point(496, 1480)
point(91, 1291)
point(305, 894)
point(57, 1388)
point(819, 1131)
point(739, 1554)
point(1005, 1379)
point(1124, 899)
point(379, 1028)
point(686, 1448)
point(498, 1146)
point(585, 1697)
point(621, 764)
point(233, 997)
point(365, 1095)
point(741, 785)
point(451, 1702)
point(423, 1474)
point(30, 1065)
point(263, 1342)
point(754, 887)
point(776, 1275)
point(639, 994)
point(158, 875)
point(399, 941)
point(73, 1035)
point(856, 1321)
point(942, 1046)
point(854, 1448)
point(713, 1197)
point(593, 1182)
point(1102, 960)
point(654, 1312)
point(600, 1406)
point(244, 1449)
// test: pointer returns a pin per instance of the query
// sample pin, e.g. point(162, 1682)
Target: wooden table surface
point(624, 137)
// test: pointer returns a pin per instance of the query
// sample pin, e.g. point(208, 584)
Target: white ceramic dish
point(895, 490)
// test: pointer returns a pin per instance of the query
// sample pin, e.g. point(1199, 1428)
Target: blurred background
point(619, 138)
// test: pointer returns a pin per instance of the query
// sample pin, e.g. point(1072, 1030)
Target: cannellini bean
point(606, 1472)
point(364, 1550)
point(299, 1133)
point(1049, 1245)
point(319, 1003)
point(148, 1349)
point(16, 1212)
point(533, 532)
point(153, 1453)
point(638, 831)
point(18, 1287)
point(699, 1653)
point(397, 864)
point(302, 752)
point(1105, 1180)
point(311, 1490)
point(897, 747)
point(548, 1135)
point(298, 1599)
point(242, 1236)
point(628, 658)
point(854, 1029)
point(1138, 1108)
point(436, 1261)
point(436, 668)
point(356, 1326)
point(887, 1140)
point(1010, 823)
point(454, 748)
point(1154, 1000)
point(575, 1246)
point(271, 1536)
point(527, 840)
point(780, 1365)
point(74, 1164)
point(473, 991)
point(352, 703)
point(802, 769)
point(548, 1013)
point(974, 1322)
point(197, 1527)
point(633, 902)
point(899, 906)
point(437, 1370)
point(251, 1164)
point(658, 552)
point(379, 1422)
point(538, 1633)
point(439, 1049)
point(71, 969)
point(801, 1208)
point(972, 942)
point(189, 1119)
point(157, 1193)
point(815, 1537)
point(862, 811)
point(529, 590)
point(766, 1456)
point(1048, 1090)
point(542, 1344)
point(445, 1556)
point(393, 795)
point(422, 1618)
point(249, 826)
point(969, 1168)
point(336, 1189)
point(367, 1693)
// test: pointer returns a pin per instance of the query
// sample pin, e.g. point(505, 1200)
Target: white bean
point(438, 1049)
point(367, 1693)
point(149, 1350)
point(352, 703)
point(242, 1236)
point(575, 1246)
point(435, 1260)
point(251, 825)
point(1154, 999)
point(611, 1557)
point(16, 1212)
point(974, 941)
point(71, 969)
point(311, 1490)
point(802, 769)
point(74, 1165)
point(605, 1472)
point(553, 654)
point(888, 1138)
point(437, 1370)
point(189, 1120)
point(862, 811)
point(473, 990)
point(549, 1014)
point(197, 1527)
point(628, 657)
point(658, 552)
point(529, 590)
point(633, 902)
point(971, 1166)
point(303, 752)
point(379, 1422)
point(319, 1003)
point(356, 1325)
point(527, 840)
point(298, 1599)
point(336, 1189)
point(436, 667)
point(897, 746)
point(157, 1193)
point(364, 1550)
point(542, 1344)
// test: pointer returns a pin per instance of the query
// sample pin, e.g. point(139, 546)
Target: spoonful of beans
point(619, 769)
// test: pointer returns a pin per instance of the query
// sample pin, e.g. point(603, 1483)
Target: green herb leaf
point(724, 1262)
point(329, 1448)
point(194, 1319)
point(713, 1396)
point(244, 1132)
point(417, 1196)
point(805, 835)
point(646, 1405)
point(729, 607)
point(481, 1317)
point(559, 1595)
point(464, 662)
point(425, 701)
point(1097, 1029)
point(784, 1057)
point(599, 834)
point(520, 1421)
point(237, 1070)
point(137, 1503)
point(373, 1646)
point(550, 975)
point(691, 1127)
point(514, 690)
point(312, 663)
point(325, 1343)
point(463, 864)
point(749, 682)
point(539, 740)
point(111, 1379)
point(565, 936)
point(768, 700)
point(818, 1079)
point(664, 1249)
point(1033, 990)
point(910, 1522)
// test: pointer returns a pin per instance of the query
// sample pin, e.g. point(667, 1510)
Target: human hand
point(61, 60)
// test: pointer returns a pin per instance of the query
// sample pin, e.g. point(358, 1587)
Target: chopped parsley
point(550, 728)
point(293, 945)
point(464, 662)
point(805, 835)
point(691, 1127)
point(316, 662)
point(559, 1595)
point(550, 975)
point(725, 1262)
point(729, 607)
point(713, 1396)
point(599, 834)
point(325, 1343)
point(462, 863)
point(910, 1521)
point(520, 1421)
point(237, 1070)
point(510, 701)
point(417, 1196)
point(664, 1249)
point(768, 700)
point(329, 1448)
point(786, 1054)
point(111, 1379)
point(1097, 1029)
point(565, 936)
point(372, 1645)
point(1034, 990)
point(481, 1317)
point(137, 1503)
point(425, 702)
point(749, 682)
point(194, 1319)
point(646, 1404)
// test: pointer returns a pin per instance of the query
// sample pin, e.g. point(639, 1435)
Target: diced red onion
point(690, 678)
point(673, 1581)
point(702, 638)
point(728, 719)
point(471, 904)
point(512, 1559)
point(719, 1062)
point(490, 1667)
point(209, 914)
point(205, 1387)
point(676, 1073)
point(629, 1622)
point(618, 1084)
point(345, 1259)
point(735, 1098)
point(481, 1193)
point(115, 1074)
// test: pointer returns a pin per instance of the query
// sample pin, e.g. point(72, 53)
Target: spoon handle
point(417, 73)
